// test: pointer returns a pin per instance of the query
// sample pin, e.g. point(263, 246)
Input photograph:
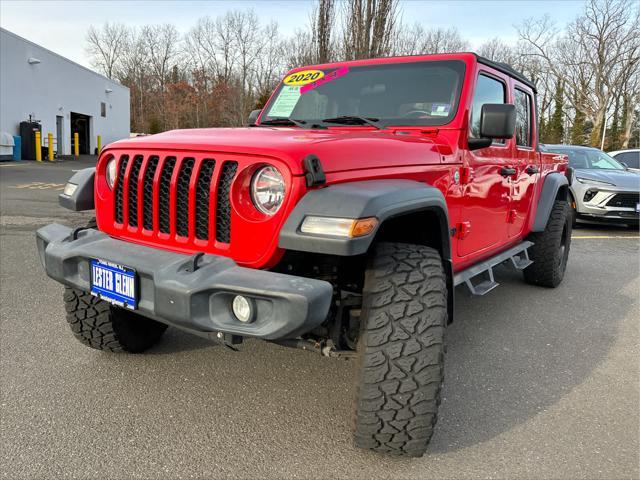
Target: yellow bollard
point(38, 147)
point(76, 145)
point(99, 144)
point(50, 137)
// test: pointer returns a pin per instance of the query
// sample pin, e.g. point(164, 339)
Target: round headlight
point(111, 172)
point(267, 190)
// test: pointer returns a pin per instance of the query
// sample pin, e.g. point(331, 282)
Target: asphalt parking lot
point(539, 383)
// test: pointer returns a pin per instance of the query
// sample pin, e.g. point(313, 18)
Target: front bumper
point(286, 306)
point(602, 205)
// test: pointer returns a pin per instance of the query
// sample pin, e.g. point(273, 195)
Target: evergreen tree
point(613, 138)
point(578, 130)
point(555, 129)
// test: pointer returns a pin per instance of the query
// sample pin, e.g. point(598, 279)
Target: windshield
point(589, 159)
point(413, 93)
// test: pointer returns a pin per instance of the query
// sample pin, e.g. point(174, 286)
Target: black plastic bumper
point(285, 306)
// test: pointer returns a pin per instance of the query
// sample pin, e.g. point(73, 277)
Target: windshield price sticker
point(304, 77)
point(286, 101)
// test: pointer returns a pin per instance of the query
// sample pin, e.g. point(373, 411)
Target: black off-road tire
point(550, 251)
point(400, 349)
point(104, 327)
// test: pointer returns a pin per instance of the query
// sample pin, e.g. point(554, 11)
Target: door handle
point(532, 169)
point(507, 171)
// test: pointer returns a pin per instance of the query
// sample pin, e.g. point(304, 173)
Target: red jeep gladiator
point(339, 221)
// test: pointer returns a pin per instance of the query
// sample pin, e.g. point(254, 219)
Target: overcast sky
point(61, 25)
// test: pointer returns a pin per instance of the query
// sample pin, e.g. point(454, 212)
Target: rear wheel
point(102, 326)
point(400, 349)
point(550, 251)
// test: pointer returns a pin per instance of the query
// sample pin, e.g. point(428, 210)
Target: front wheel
point(102, 326)
point(400, 349)
point(550, 251)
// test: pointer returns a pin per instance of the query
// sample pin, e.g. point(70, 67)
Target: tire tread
point(401, 349)
point(98, 325)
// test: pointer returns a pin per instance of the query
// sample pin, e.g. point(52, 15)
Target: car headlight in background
point(267, 190)
point(593, 182)
point(110, 172)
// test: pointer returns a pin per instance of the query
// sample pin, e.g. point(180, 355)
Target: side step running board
point(519, 258)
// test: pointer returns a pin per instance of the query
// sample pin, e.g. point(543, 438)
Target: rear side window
point(632, 159)
point(523, 118)
point(488, 90)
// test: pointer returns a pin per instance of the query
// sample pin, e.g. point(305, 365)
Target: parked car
point(603, 189)
point(339, 223)
point(630, 158)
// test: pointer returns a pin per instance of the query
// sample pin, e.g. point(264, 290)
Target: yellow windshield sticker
point(304, 77)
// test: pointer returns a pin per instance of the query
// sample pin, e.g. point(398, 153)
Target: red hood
point(338, 149)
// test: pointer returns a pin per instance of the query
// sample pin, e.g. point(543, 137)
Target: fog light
point(589, 195)
point(70, 189)
point(242, 309)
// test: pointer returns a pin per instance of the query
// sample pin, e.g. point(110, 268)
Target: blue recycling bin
point(17, 148)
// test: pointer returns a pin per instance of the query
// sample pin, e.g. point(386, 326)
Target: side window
point(488, 90)
point(523, 118)
point(632, 159)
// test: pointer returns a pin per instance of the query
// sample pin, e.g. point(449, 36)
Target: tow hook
point(228, 340)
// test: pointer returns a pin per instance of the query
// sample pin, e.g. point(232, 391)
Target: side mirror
point(253, 116)
point(626, 167)
point(497, 120)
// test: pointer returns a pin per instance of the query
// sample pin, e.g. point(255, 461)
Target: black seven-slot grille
point(197, 183)
point(624, 200)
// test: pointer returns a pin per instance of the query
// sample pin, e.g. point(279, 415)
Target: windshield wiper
point(284, 121)
point(355, 119)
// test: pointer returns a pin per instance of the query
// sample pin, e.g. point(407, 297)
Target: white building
point(64, 96)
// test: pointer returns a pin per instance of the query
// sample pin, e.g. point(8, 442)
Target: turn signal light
point(363, 226)
point(339, 227)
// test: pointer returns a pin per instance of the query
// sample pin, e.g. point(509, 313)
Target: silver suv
point(603, 189)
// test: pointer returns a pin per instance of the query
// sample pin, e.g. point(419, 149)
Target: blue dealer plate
point(114, 283)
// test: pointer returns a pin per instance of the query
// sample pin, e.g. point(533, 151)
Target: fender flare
point(382, 199)
point(82, 198)
point(553, 182)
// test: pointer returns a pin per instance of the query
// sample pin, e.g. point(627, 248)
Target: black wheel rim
point(563, 246)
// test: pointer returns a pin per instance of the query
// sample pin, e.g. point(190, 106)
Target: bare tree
point(416, 40)
point(441, 40)
point(106, 46)
point(369, 27)
point(161, 42)
point(249, 44)
point(226, 65)
point(298, 49)
point(323, 18)
point(269, 65)
point(592, 55)
point(133, 72)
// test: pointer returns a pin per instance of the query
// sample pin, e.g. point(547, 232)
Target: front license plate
point(114, 283)
point(637, 207)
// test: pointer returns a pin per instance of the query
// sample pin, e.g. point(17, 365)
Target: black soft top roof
point(508, 69)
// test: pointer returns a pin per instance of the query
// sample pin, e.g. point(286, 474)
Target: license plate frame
point(114, 283)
